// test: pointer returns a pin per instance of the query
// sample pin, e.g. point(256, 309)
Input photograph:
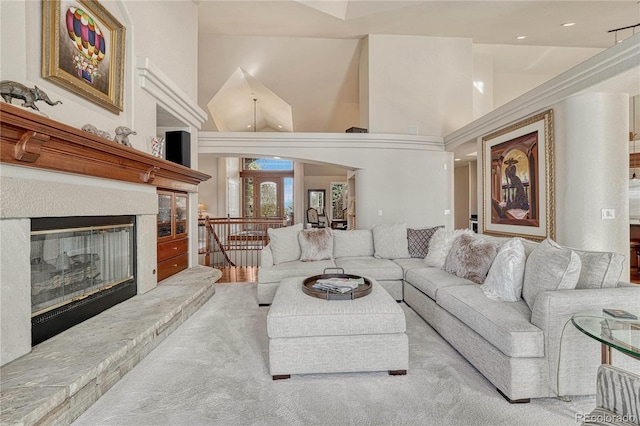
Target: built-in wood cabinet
point(172, 232)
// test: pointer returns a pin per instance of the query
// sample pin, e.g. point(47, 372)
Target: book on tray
point(338, 285)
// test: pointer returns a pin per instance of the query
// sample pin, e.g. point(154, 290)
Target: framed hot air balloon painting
point(83, 50)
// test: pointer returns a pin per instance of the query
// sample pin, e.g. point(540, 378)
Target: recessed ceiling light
point(248, 126)
point(472, 154)
point(456, 159)
point(277, 158)
point(568, 24)
point(521, 37)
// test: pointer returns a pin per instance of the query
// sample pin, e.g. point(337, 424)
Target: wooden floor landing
point(239, 274)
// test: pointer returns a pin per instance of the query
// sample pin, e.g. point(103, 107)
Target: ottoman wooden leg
point(397, 372)
point(281, 376)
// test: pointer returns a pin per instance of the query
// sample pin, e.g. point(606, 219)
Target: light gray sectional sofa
point(526, 348)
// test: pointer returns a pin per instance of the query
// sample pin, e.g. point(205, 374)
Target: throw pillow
point(315, 244)
point(506, 275)
point(390, 241)
point(549, 267)
point(284, 243)
point(440, 245)
point(419, 240)
point(471, 257)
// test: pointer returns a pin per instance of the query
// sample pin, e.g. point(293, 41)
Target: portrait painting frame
point(84, 52)
point(518, 179)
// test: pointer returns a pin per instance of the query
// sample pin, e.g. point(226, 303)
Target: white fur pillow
point(471, 257)
point(440, 245)
point(315, 244)
point(505, 278)
point(284, 243)
point(390, 241)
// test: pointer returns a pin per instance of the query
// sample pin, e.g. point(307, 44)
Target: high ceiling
point(492, 25)
point(486, 22)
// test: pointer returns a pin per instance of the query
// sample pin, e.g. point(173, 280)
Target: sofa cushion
point(506, 325)
point(390, 241)
point(440, 245)
point(379, 269)
point(506, 275)
point(599, 269)
point(296, 268)
point(408, 264)
point(358, 242)
point(295, 314)
point(315, 244)
point(549, 267)
point(418, 240)
point(471, 257)
point(284, 243)
point(429, 280)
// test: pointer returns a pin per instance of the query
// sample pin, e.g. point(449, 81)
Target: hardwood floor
point(238, 274)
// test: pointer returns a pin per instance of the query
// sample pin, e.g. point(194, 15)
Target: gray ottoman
point(310, 335)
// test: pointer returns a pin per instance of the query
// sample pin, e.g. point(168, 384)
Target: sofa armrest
point(266, 256)
point(573, 357)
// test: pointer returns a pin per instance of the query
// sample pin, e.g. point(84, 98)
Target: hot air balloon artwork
point(83, 50)
point(85, 33)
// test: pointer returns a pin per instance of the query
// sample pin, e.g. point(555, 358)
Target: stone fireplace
point(80, 266)
point(51, 170)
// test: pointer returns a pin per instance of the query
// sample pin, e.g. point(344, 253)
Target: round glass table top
point(619, 333)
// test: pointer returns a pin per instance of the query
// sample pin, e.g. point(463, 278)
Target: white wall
point(418, 81)
point(591, 173)
point(318, 78)
point(402, 175)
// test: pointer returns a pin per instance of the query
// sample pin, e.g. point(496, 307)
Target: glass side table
point(617, 333)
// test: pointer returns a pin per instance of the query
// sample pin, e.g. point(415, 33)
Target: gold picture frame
point(83, 50)
point(518, 179)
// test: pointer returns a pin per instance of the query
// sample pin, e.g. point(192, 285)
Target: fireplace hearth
point(80, 266)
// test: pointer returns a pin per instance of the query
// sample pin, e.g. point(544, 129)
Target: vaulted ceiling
point(284, 46)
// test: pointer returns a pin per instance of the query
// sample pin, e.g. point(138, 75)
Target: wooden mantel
point(32, 140)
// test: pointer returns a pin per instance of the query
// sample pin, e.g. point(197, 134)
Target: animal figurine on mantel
point(12, 89)
point(122, 135)
point(90, 128)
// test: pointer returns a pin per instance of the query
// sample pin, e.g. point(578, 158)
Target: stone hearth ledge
point(61, 377)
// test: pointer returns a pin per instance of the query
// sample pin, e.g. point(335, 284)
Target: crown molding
point(168, 95)
point(622, 58)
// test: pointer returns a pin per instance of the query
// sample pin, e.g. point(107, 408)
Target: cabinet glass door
point(164, 215)
point(181, 214)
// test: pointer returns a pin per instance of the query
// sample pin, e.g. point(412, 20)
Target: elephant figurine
point(12, 89)
point(122, 135)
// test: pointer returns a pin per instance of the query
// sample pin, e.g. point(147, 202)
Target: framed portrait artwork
point(518, 179)
point(83, 50)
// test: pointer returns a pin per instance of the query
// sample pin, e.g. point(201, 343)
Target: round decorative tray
point(361, 291)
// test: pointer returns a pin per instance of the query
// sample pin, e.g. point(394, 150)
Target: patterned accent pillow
point(419, 240)
point(315, 244)
point(471, 257)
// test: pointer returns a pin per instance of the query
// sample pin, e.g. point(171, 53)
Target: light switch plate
point(608, 213)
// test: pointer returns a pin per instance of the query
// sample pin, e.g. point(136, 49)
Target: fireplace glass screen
point(74, 262)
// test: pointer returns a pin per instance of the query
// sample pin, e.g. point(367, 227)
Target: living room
point(181, 68)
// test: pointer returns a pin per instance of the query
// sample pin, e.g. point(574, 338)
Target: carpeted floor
point(213, 370)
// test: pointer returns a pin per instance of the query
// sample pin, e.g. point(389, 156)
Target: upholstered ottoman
point(310, 335)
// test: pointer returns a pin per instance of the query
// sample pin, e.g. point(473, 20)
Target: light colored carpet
point(213, 370)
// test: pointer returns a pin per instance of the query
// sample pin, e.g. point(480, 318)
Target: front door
point(263, 197)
